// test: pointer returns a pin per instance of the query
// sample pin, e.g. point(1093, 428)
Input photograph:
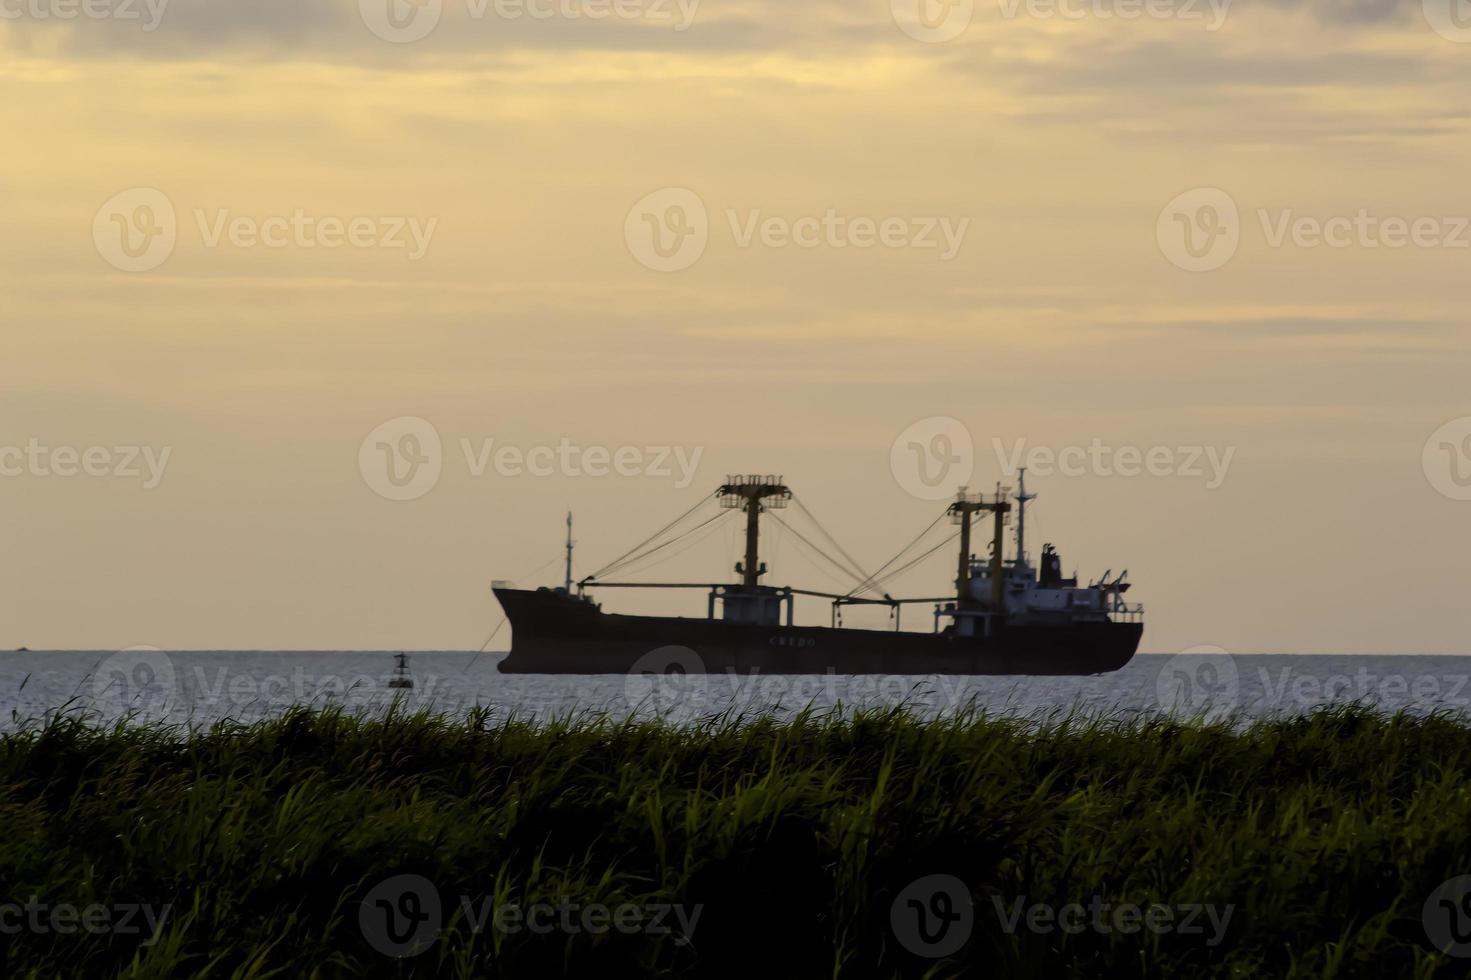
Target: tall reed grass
point(1324, 834)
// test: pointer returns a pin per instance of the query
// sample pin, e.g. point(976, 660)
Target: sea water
point(202, 687)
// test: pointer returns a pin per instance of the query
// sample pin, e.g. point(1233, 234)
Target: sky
point(319, 316)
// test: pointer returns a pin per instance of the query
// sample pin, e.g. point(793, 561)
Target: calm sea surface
point(200, 687)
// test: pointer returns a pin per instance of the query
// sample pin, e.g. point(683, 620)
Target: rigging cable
point(800, 537)
point(625, 568)
point(625, 562)
point(805, 552)
point(834, 541)
point(485, 644)
point(905, 567)
point(879, 576)
point(653, 537)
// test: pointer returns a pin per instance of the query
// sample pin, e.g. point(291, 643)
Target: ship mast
point(568, 579)
point(1022, 499)
point(960, 512)
point(750, 493)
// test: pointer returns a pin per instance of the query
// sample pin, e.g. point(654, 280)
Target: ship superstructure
point(1015, 592)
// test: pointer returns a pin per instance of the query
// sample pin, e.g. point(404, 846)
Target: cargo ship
point(1004, 617)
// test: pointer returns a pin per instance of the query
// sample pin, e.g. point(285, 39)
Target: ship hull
point(555, 634)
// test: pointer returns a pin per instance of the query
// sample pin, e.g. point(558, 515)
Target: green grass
point(1326, 834)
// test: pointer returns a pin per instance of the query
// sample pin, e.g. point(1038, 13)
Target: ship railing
point(1125, 613)
point(785, 592)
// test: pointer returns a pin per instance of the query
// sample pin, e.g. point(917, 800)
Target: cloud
point(1357, 12)
point(335, 31)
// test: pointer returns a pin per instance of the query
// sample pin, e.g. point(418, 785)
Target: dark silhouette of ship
point(1005, 617)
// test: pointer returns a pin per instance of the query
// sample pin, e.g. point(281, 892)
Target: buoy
point(401, 678)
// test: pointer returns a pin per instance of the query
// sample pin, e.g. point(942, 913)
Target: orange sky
point(328, 230)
